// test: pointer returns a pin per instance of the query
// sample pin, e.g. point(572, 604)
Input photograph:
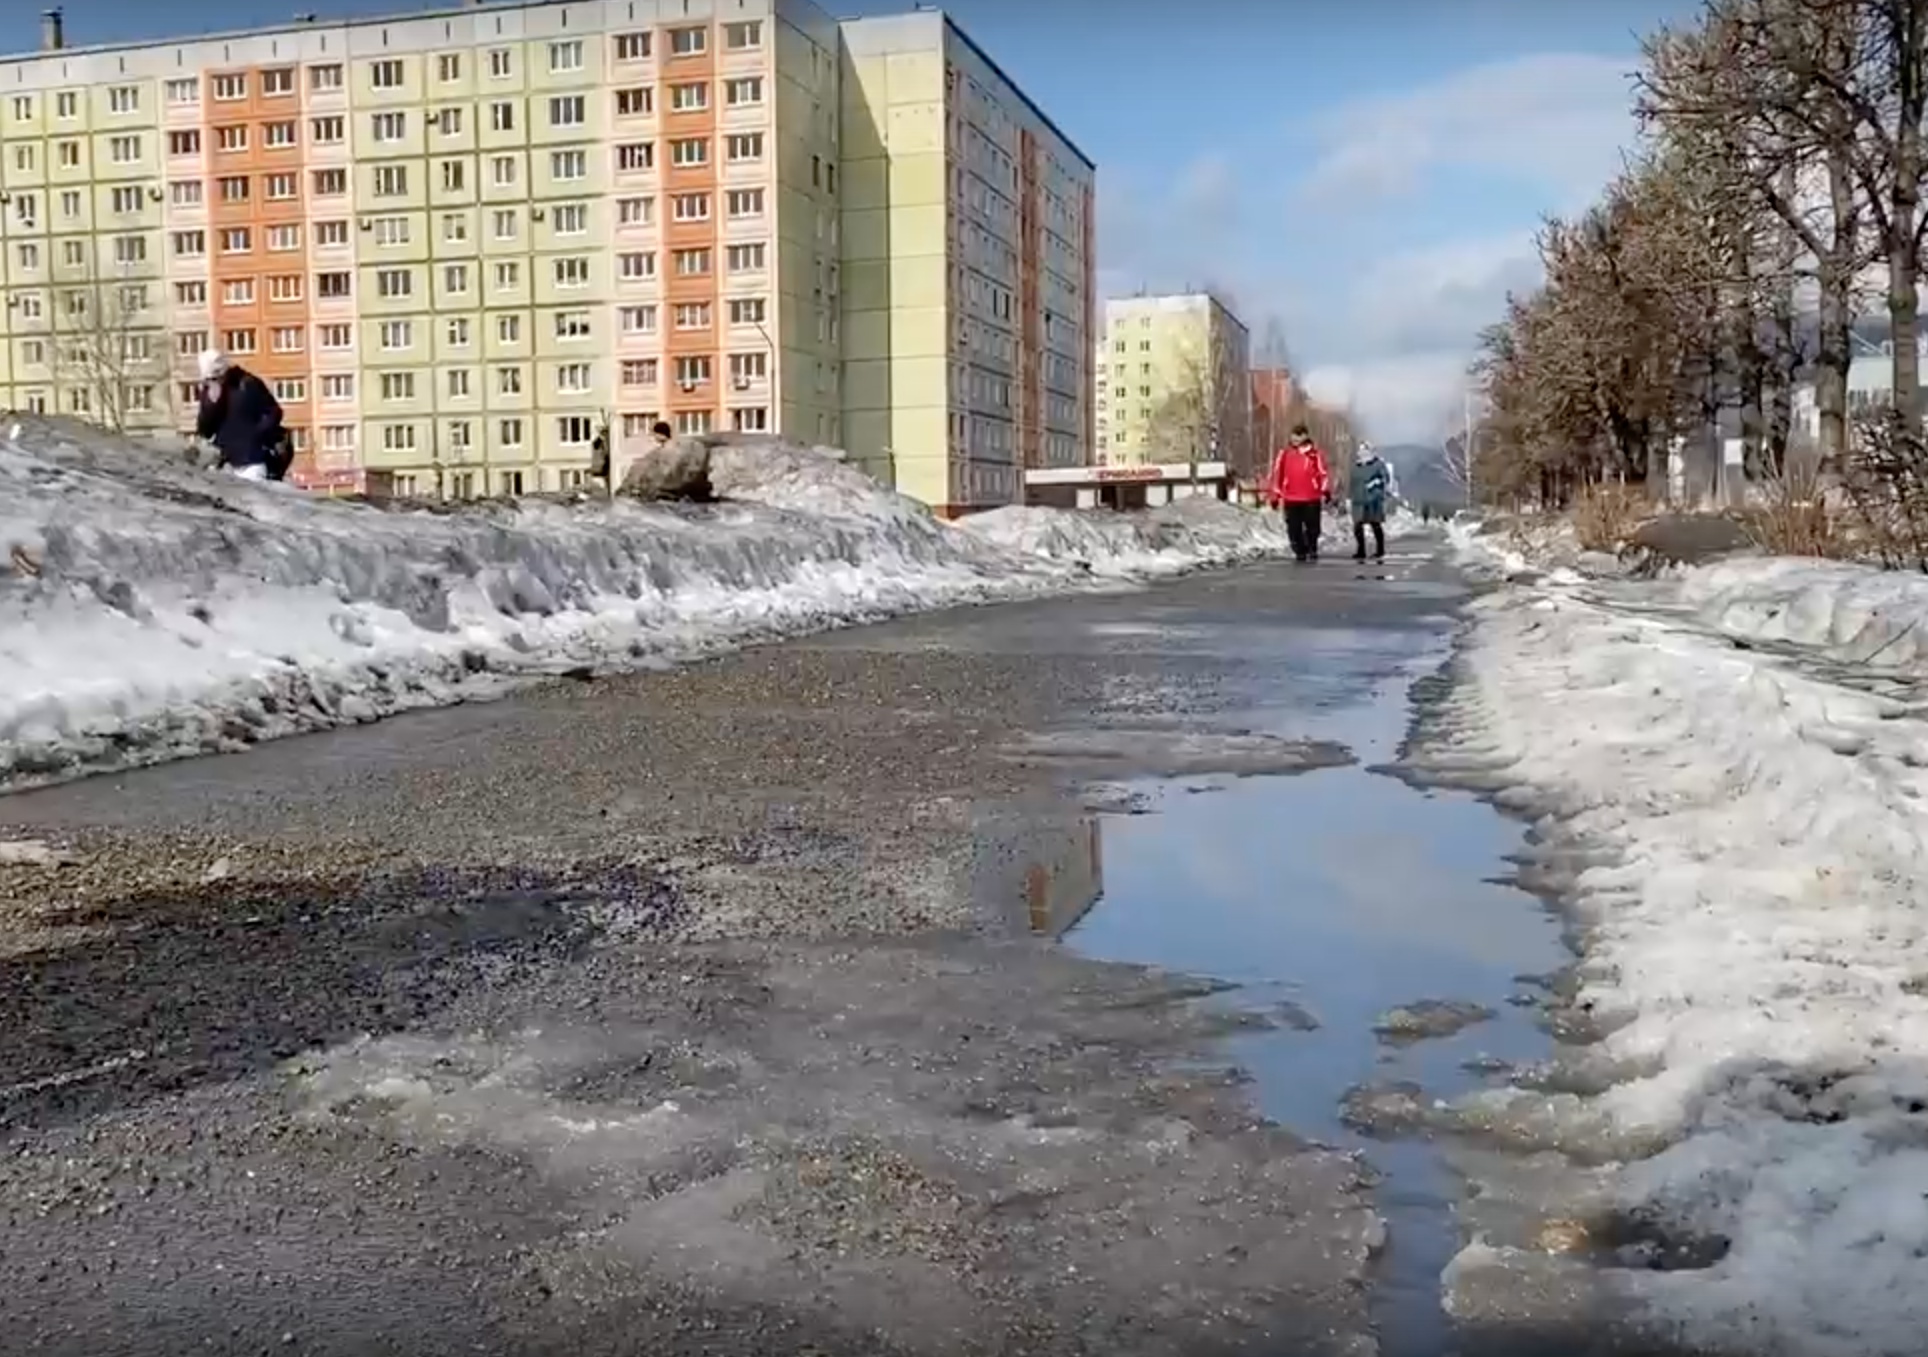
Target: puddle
point(1345, 893)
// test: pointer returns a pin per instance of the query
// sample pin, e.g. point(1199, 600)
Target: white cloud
point(1560, 119)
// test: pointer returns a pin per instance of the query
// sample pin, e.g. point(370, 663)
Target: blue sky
point(1368, 174)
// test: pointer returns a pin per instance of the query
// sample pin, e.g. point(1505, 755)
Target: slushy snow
point(1755, 936)
point(150, 612)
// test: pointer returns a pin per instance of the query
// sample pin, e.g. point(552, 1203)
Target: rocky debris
point(678, 470)
point(1426, 1019)
point(1392, 1108)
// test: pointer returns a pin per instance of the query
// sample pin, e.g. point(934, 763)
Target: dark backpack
point(281, 456)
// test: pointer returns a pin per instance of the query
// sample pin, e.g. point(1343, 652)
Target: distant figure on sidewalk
point(1372, 491)
point(241, 417)
point(1299, 483)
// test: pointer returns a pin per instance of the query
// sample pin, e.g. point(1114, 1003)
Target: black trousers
point(1302, 529)
point(1359, 527)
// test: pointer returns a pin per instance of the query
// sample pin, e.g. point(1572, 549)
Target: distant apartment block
point(1174, 377)
point(969, 298)
point(457, 242)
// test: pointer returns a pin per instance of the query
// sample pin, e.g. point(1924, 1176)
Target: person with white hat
point(241, 417)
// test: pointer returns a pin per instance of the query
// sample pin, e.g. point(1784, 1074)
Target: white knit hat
point(214, 364)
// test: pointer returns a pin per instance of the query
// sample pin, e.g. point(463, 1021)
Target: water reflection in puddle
point(1345, 892)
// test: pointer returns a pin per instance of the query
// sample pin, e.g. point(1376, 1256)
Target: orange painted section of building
point(257, 292)
point(678, 181)
point(1272, 392)
point(1031, 328)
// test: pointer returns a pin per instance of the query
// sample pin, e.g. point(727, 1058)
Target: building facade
point(1176, 381)
point(457, 244)
point(969, 291)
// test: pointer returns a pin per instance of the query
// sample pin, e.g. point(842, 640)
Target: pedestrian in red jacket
point(1299, 482)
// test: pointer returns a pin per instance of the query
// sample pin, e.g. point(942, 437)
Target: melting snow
point(151, 612)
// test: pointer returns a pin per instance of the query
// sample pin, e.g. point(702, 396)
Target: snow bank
point(152, 612)
point(1849, 613)
point(1757, 944)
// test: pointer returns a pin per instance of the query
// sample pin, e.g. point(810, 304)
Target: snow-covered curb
point(1753, 935)
point(1845, 612)
point(150, 612)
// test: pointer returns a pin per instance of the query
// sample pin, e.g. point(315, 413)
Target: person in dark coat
point(241, 417)
point(1371, 491)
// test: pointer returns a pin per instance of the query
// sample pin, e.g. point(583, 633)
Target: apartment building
point(455, 243)
point(968, 253)
point(1175, 372)
point(458, 242)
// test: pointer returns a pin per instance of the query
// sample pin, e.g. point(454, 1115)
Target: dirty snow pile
point(1749, 856)
point(149, 611)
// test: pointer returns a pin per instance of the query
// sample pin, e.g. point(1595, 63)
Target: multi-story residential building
point(968, 269)
point(458, 243)
point(1176, 380)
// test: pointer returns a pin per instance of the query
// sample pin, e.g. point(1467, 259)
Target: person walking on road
point(1299, 483)
point(1371, 492)
point(241, 417)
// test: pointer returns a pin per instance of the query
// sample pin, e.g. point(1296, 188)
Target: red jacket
point(1299, 476)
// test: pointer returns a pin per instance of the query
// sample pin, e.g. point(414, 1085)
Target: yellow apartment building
point(968, 290)
point(457, 242)
point(1175, 378)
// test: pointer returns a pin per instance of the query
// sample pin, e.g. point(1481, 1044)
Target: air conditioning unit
point(687, 386)
point(742, 383)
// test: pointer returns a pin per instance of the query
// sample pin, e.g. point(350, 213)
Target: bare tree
point(108, 361)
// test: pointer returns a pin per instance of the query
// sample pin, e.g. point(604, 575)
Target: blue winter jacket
point(1371, 486)
point(243, 420)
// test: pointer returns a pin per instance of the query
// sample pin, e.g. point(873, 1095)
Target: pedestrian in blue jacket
point(1371, 494)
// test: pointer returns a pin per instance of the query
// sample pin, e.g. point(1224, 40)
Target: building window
point(236, 240)
point(636, 155)
point(330, 183)
point(508, 275)
point(692, 263)
point(749, 367)
point(568, 110)
point(632, 47)
point(334, 285)
point(572, 271)
point(232, 188)
point(391, 181)
point(190, 244)
point(324, 78)
point(284, 238)
point(565, 166)
point(693, 315)
point(458, 332)
point(693, 371)
point(393, 283)
point(337, 336)
point(390, 230)
point(186, 90)
point(501, 65)
point(637, 320)
point(278, 82)
point(281, 187)
point(501, 117)
point(636, 265)
point(385, 74)
point(508, 329)
point(455, 279)
point(689, 151)
point(458, 382)
point(239, 341)
point(565, 56)
point(639, 372)
point(238, 292)
point(570, 219)
point(746, 202)
point(688, 42)
point(454, 176)
point(744, 146)
point(287, 339)
point(228, 88)
point(191, 294)
point(124, 99)
point(398, 386)
point(575, 431)
point(126, 200)
point(448, 67)
point(184, 143)
point(509, 435)
point(338, 386)
point(744, 90)
point(284, 287)
point(397, 336)
point(290, 389)
point(739, 37)
point(502, 170)
point(750, 419)
point(692, 421)
point(636, 211)
point(572, 379)
point(635, 103)
point(329, 233)
point(690, 207)
point(447, 121)
point(747, 311)
point(388, 127)
point(572, 325)
point(400, 438)
point(689, 98)
point(231, 138)
point(67, 105)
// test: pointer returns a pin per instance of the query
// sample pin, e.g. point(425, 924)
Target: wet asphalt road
point(713, 1010)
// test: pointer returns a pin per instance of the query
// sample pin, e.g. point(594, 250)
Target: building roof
point(1016, 89)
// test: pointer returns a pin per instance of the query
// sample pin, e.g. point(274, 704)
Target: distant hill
point(1422, 474)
